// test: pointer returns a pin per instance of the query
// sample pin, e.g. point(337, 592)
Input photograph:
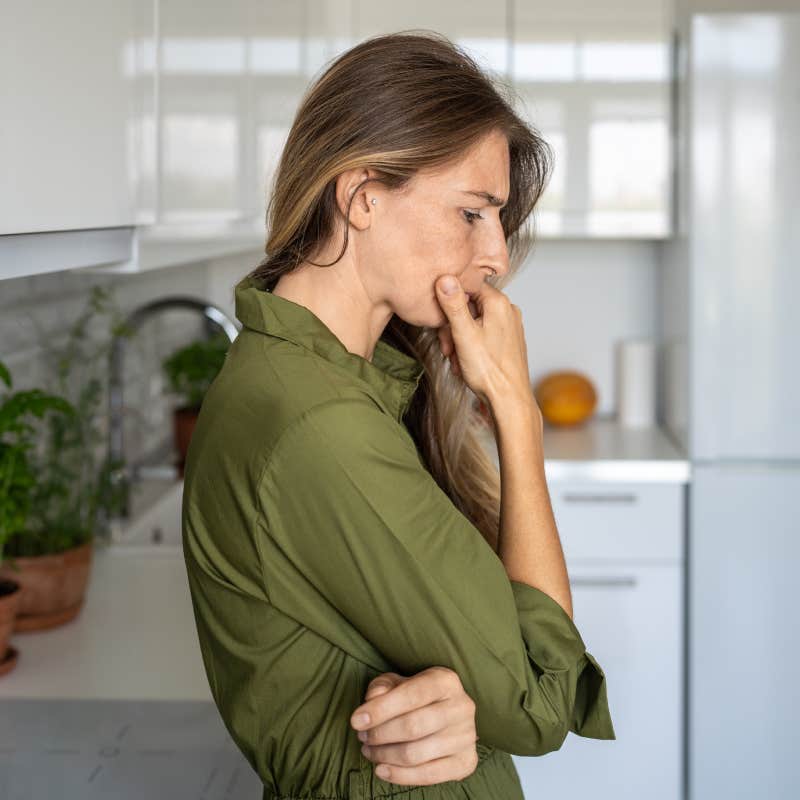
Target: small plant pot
point(10, 594)
point(52, 586)
point(184, 420)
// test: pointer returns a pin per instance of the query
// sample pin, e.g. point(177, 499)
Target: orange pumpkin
point(565, 397)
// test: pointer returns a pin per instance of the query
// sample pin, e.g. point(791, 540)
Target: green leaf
point(5, 374)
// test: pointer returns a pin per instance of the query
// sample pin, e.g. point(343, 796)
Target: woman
point(342, 522)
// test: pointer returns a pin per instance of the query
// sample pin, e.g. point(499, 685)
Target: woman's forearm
point(528, 545)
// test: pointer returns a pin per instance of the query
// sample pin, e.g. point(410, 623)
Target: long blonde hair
point(398, 103)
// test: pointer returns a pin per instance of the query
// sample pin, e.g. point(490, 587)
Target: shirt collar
point(392, 373)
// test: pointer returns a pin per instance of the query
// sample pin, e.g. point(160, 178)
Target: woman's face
point(435, 226)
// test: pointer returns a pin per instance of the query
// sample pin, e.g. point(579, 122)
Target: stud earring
point(374, 201)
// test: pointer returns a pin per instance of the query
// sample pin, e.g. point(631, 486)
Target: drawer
point(602, 520)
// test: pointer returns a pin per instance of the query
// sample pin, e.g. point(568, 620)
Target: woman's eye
point(471, 216)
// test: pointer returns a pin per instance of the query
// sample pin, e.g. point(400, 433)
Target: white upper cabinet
point(595, 79)
point(478, 27)
point(203, 97)
point(162, 121)
point(229, 80)
point(69, 94)
point(286, 44)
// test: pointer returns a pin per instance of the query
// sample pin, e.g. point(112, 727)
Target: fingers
point(442, 718)
point(421, 730)
point(454, 305)
point(382, 683)
point(426, 761)
point(484, 292)
point(379, 685)
point(419, 690)
point(464, 317)
point(431, 701)
point(445, 340)
point(449, 768)
point(448, 348)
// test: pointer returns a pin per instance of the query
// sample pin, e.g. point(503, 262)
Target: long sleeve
point(349, 518)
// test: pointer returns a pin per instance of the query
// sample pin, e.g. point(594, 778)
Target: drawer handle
point(599, 498)
point(611, 580)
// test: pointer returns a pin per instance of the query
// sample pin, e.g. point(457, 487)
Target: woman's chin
point(433, 318)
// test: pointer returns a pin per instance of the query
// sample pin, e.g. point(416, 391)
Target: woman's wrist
point(516, 413)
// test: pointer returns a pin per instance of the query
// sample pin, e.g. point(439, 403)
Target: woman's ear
point(351, 185)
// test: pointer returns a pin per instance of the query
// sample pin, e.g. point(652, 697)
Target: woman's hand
point(422, 727)
point(485, 341)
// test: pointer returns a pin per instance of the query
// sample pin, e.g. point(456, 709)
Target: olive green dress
point(321, 552)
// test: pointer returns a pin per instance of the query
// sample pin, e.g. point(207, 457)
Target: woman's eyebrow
point(495, 201)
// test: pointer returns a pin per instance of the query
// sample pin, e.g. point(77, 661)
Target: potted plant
point(17, 482)
point(190, 370)
point(72, 496)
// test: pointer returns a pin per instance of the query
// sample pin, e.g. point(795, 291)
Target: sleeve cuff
point(575, 684)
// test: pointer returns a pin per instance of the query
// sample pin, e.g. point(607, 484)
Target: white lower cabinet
point(630, 612)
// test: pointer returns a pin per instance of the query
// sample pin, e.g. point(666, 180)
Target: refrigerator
point(732, 301)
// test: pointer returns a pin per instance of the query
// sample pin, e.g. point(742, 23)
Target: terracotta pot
point(184, 420)
point(10, 594)
point(53, 586)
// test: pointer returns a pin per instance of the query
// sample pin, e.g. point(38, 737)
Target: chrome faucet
point(122, 474)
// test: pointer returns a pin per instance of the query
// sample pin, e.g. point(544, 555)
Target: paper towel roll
point(636, 383)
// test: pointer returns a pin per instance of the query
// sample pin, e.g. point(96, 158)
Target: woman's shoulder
point(265, 390)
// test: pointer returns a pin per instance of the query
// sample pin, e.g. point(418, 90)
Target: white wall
point(578, 299)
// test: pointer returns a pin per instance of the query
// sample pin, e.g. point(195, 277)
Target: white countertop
point(134, 638)
point(602, 450)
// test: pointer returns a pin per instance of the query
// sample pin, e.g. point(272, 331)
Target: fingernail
point(383, 771)
point(360, 719)
point(449, 284)
point(363, 735)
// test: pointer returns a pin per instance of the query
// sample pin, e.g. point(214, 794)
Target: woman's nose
point(495, 255)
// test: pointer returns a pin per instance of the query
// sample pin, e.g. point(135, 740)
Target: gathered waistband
point(494, 777)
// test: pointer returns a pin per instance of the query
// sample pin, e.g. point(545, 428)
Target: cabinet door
point(478, 27)
point(203, 98)
point(630, 618)
point(594, 78)
point(287, 45)
point(67, 91)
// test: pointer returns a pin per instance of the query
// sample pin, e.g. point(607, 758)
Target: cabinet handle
point(577, 497)
point(611, 580)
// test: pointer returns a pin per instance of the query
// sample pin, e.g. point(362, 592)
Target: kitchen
point(142, 156)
